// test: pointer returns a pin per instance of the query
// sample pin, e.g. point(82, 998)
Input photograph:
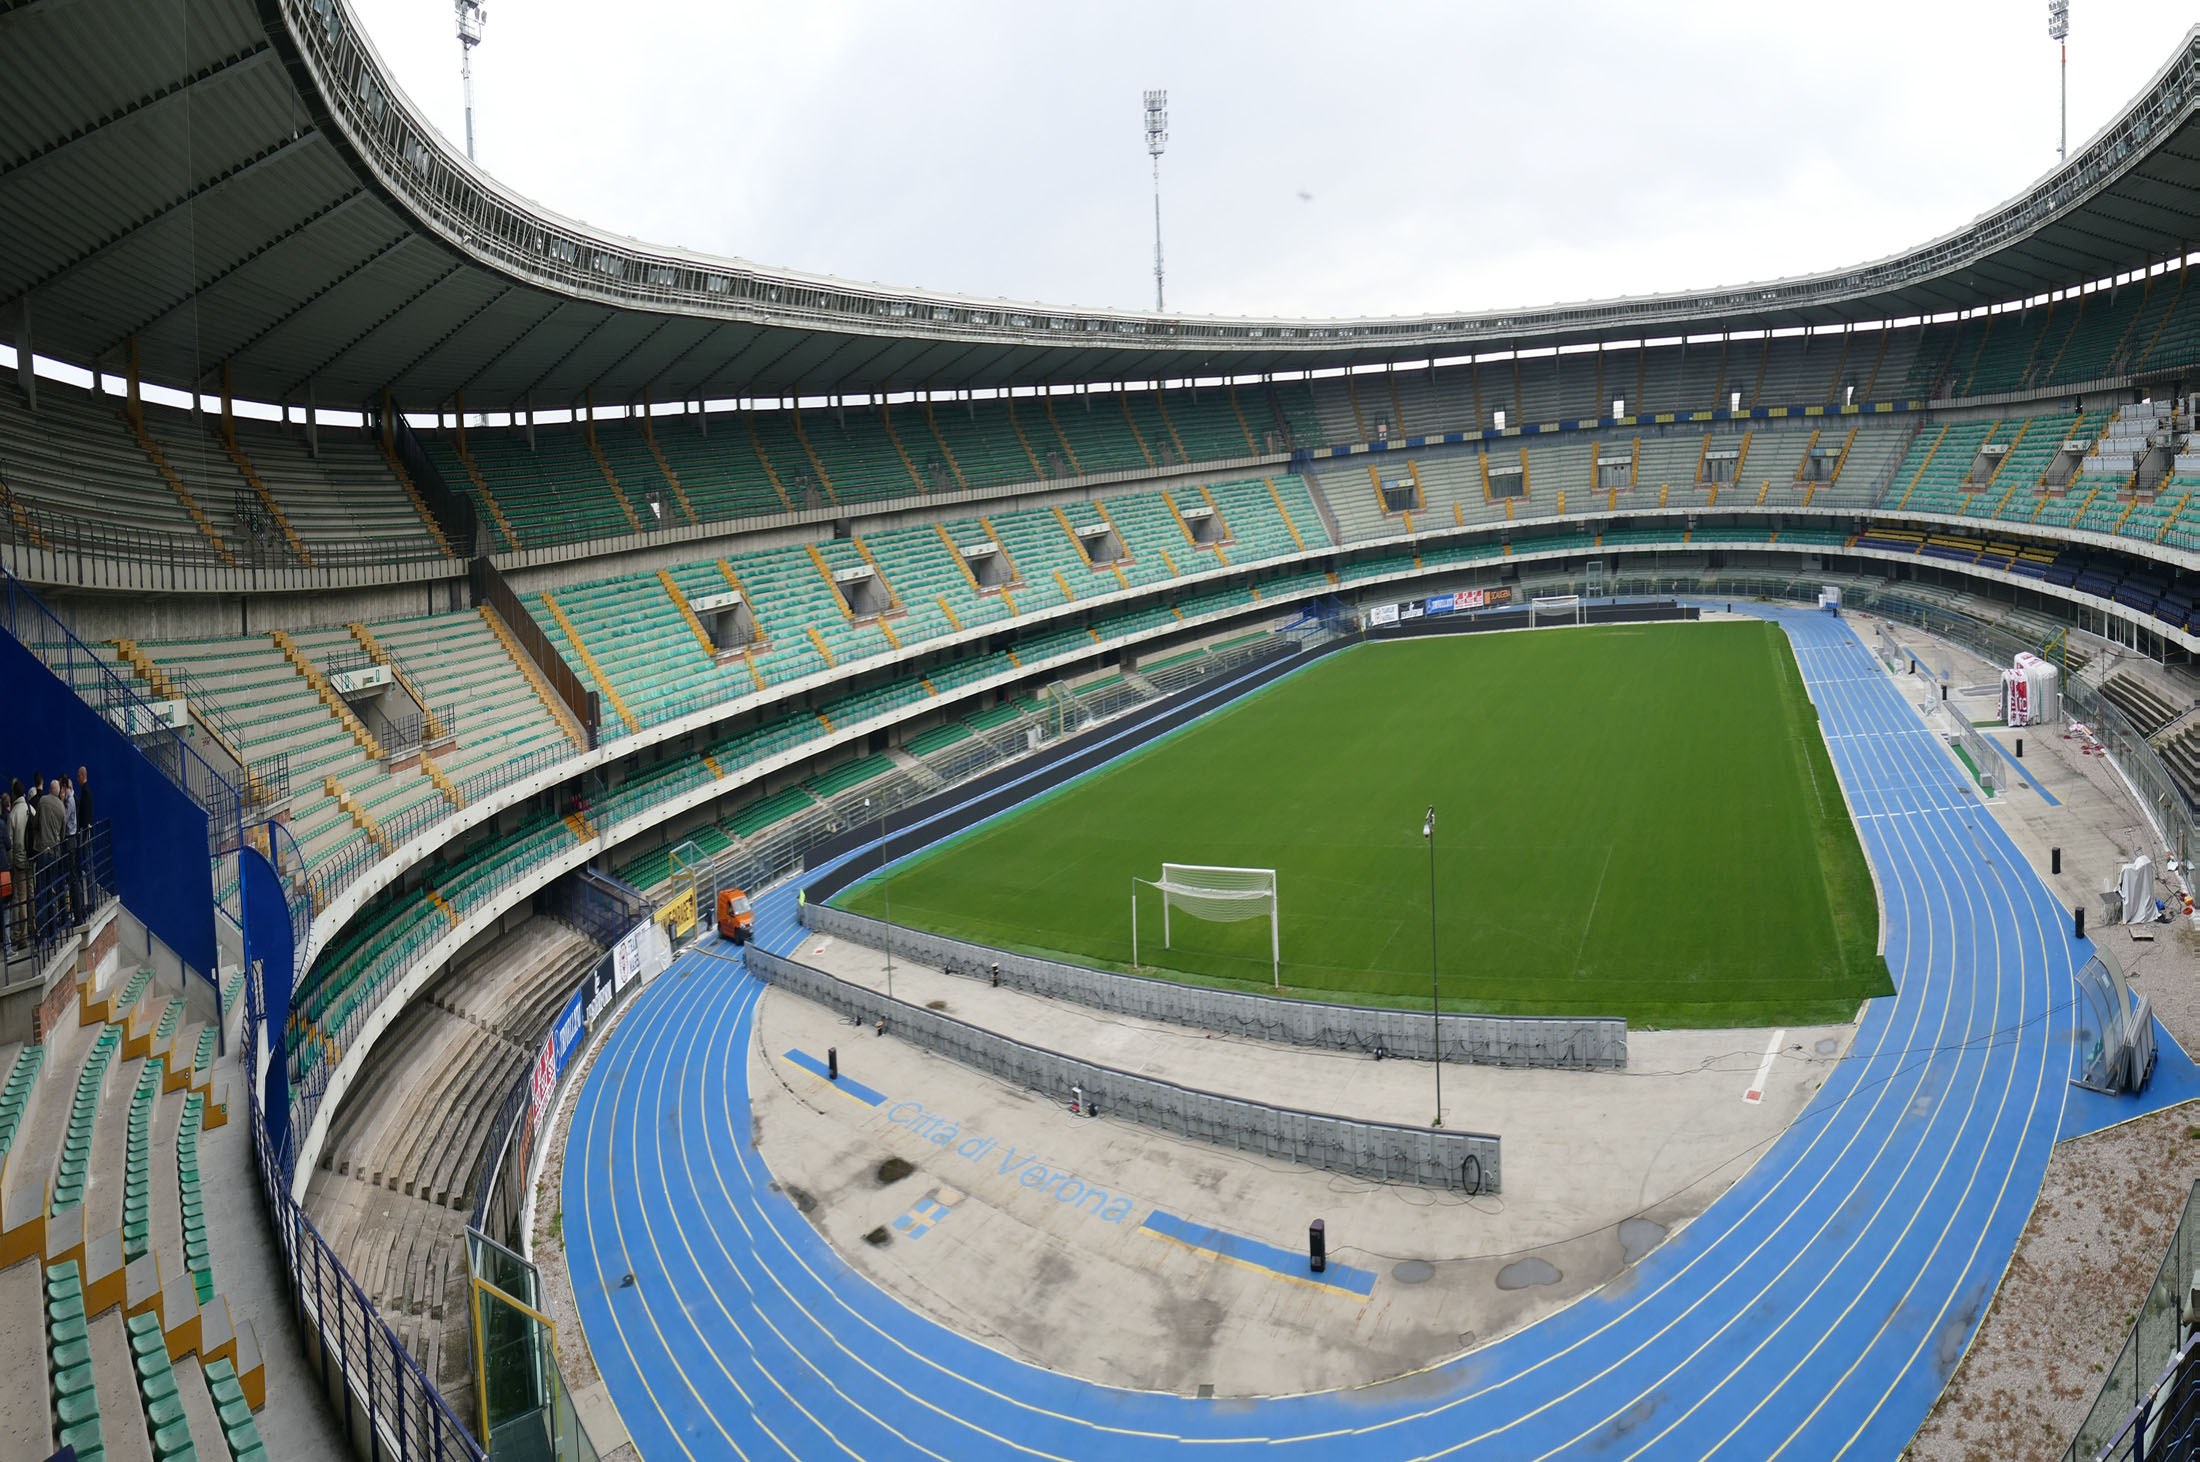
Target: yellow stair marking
point(1063, 518)
point(954, 468)
point(764, 460)
point(1929, 451)
point(819, 641)
point(949, 610)
point(412, 493)
point(1063, 584)
point(330, 700)
point(886, 417)
point(1037, 470)
point(437, 731)
point(1285, 513)
point(168, 474)
point(1069, 453)
point(1123, 399)
point(825, 572)
point(817, 463)
point(481, 484)
point(672, 478)
point(1420, 494)
point(1252, 443)
point(679, 602)
point(1161, 404)
point(603, 681)
point(243, 464)
point(560, 714)
point(1359, 419)
point(1182, 526)
point(603, 465)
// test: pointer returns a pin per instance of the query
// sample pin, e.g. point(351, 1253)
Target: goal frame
point(1548, 609)
point(1165, 885)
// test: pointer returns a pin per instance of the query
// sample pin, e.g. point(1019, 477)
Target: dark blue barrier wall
point(159, 834)
point(267, 943)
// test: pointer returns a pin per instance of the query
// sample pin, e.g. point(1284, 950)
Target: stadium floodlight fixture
point(1157, 140)
point(1435, 988)
point(2058, 31)
point(472, 16)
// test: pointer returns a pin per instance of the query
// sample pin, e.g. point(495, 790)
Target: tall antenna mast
point(2058, 31)
point(472, 16)
point(1157, 139)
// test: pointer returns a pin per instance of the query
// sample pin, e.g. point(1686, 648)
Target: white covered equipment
point(2031, 692)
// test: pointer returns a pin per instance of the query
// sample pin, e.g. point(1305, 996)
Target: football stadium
point(798, 868)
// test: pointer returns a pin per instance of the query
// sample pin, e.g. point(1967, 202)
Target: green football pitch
point(1635, 820)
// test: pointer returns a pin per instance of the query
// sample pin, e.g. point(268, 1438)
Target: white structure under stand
point(1220, 895)
point(2031, 692)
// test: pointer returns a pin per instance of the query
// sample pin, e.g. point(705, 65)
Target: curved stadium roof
point(246, 186)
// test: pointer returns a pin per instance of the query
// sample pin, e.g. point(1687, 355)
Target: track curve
point(1813, 1311)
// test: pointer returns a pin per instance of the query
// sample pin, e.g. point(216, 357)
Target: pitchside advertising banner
point(1457, 603)
point(642, 954)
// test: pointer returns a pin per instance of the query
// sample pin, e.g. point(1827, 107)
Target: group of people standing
point(35, 821)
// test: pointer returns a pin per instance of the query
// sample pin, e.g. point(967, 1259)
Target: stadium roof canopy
point(241, 184)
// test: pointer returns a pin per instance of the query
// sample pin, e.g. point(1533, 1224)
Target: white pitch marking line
point(1756, 1092)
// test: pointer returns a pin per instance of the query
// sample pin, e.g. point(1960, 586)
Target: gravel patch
point(2083, 1266)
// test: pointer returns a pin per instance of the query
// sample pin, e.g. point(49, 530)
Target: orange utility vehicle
point(736, 920)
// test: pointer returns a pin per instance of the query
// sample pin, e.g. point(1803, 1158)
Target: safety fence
point(92, 677)
point(383, 1402)
point(62, 888)
point(1379, 1151)
point(2148, 1405)
point(1593, 1043)
point(2159, 793)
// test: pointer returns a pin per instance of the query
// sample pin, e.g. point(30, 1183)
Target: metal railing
point(387, 1405)
point(89, 553)
point(1587, 1043)
point(62, 888)
point(2124, 1417)
point(1382, 1152)
point(92, 677)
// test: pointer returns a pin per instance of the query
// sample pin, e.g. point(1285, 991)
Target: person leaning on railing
point(19, 859)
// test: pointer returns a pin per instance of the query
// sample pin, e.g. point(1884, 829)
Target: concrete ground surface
point(1599, 1168)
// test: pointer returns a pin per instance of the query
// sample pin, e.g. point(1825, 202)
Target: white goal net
point(1555, 608)
point(1219, 895)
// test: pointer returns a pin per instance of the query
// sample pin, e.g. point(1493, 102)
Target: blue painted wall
point(158, 834)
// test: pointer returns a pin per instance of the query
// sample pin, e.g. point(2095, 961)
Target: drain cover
point(1828, 1046)
point(1412, 1271)
point(1638, 1236)
point(1527, 1274)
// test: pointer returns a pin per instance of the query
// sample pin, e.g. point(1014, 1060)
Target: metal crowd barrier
point(1379, 1151)
point(1586, 1043)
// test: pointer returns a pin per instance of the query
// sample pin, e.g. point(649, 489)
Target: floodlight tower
point(2058, 31)
point(472, 16)
point(1157, 139)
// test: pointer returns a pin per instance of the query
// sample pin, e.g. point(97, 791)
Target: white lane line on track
point(771, 1218)
point(1756, 1092)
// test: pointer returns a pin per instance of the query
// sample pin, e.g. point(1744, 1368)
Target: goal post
point(1217, 894)
point(1555, 609)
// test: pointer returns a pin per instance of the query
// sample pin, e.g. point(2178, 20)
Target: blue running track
point(1814, 1311)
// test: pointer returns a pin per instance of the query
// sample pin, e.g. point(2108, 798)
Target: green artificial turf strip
point(1637, 821)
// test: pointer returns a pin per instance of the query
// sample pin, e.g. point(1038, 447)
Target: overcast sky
point(1457, 156)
